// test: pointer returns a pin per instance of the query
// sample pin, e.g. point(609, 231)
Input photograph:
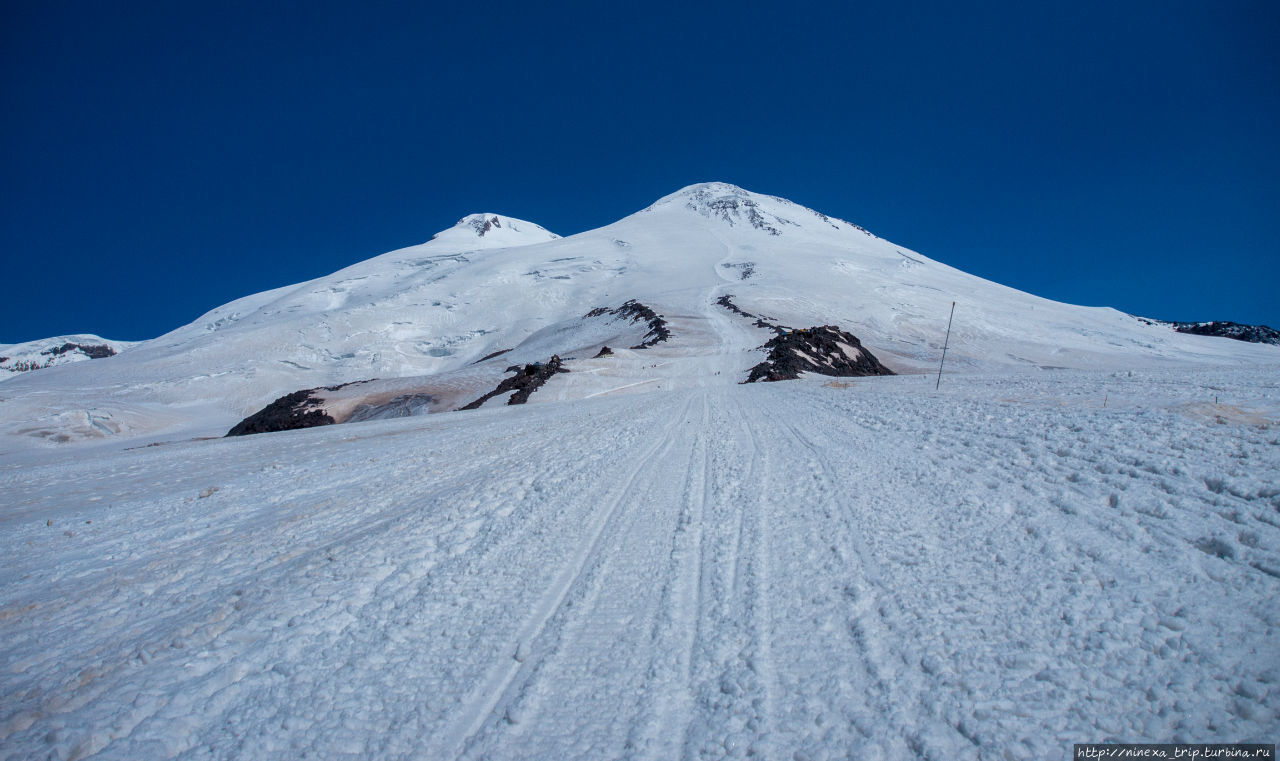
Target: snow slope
point(796, 570)
point(493, 283)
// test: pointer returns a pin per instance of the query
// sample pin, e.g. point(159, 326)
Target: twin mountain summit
point(711, 285)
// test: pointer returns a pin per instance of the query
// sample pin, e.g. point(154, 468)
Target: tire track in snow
point(374, 598)
point(894, 689)
point(506, 680)
point(872, 701)
point(763, 589)
point(619, 615)
point(730, 672)
point(668, 697)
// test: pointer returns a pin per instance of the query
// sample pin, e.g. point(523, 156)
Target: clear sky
point(160, 159)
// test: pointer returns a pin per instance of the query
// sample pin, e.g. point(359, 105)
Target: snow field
point(789, 571)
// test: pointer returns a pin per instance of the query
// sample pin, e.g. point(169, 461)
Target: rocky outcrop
point(726, 301)
point(51, 356)
point(635, 311)
point(289, 412)
point(731, 205)
point(92, 351)
point(490, 356)
point(526, 380)
point(482, 226)
point(1258, 334)
point(825, 350)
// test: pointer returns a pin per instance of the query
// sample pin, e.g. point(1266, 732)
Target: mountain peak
point(490, 230)
point(739, 207)
point(702, 190)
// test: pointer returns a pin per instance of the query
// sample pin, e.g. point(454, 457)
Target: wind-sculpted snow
point(865, 569)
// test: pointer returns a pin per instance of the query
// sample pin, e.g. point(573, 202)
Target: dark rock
point(729, 209)
point(497, 353)
point(92, 351)
point(815, 350)
point(658, 330)
point(635, 311)
point(605, 351)
point(1258, 334)
point(27, 365)
point(525, 381)
point(296, 410)
point(349, 383)
point(482, 226)
point(726, 301)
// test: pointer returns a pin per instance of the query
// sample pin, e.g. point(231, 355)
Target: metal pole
point(937, 385)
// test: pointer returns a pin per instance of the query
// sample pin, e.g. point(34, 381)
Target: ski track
point(785, 571)
point(575, 628)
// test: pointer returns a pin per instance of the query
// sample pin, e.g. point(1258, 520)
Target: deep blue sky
point(160, 159)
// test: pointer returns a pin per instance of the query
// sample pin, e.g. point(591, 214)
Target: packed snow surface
point(801, 570)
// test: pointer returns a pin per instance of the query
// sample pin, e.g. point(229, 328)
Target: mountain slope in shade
point(499, 284)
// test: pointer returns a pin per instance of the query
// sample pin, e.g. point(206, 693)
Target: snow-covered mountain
point(59, 350)
point(651, 559)
point(498, 284)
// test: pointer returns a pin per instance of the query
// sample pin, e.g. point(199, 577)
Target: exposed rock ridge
point(92, 351)
point(734, 206)
point(825, 350)
point(633, 310)
point(289, 412)
point(526, 380)
point(1258, 334)
point(726, 301)
point(482, 226)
